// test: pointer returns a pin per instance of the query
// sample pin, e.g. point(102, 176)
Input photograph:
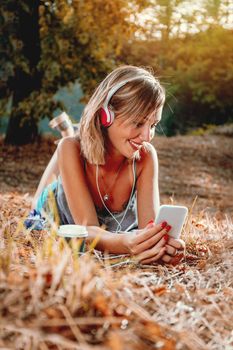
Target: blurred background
point(54, 53)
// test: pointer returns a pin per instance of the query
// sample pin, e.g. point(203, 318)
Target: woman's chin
point(133, 155)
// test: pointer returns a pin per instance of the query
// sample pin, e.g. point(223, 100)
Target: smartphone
point(175, 216)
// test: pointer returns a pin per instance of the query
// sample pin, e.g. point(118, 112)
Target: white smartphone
point(175, 216)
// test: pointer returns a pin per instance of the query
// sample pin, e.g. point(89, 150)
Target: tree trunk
point(19, 132)
point(23, 129)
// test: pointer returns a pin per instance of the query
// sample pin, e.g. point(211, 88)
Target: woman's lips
point(136, 146)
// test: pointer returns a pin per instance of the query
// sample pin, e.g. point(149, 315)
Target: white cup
point(63, 124)
point(79, 232)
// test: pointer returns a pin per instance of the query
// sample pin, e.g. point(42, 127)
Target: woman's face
point(127, 137)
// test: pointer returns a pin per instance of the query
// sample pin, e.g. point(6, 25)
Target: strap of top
point(134, 172)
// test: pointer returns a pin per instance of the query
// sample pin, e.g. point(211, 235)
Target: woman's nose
point(145, 134)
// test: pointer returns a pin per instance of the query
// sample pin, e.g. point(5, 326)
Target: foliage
point(76, 43)
point(211, 129)
point(198, 74)
point(202, 76)
point(204, 130)
point(49, 44)
point(168, 19)
point(165, 18)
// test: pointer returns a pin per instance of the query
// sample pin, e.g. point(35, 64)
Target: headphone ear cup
point(106, 116)
point(103, 117)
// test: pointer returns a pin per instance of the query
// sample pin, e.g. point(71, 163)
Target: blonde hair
point(135, 101)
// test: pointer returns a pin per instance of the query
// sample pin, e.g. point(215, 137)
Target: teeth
point(135, 144)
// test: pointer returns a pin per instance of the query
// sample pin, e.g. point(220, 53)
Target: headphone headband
point(107, 116)
point(114, 89)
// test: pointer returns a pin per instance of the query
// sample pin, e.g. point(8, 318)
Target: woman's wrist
point(106, 241)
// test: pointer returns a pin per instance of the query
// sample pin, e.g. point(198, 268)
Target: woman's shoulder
point(69, 142)
point(69, 147)
point(148, 158)
point(148, 154)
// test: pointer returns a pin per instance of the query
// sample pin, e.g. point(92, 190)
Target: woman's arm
point(148, 202)
point(74, 181)
point(147, 187)
point(146, 245)
point(50, 174)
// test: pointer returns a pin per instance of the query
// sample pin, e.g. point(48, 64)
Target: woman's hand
point(149, 244)
point(174, 252)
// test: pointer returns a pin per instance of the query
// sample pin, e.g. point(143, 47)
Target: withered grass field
point(50, 298)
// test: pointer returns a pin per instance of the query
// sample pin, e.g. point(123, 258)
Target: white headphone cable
point(131, 194)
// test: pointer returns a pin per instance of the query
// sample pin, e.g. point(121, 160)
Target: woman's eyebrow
point(154, 121)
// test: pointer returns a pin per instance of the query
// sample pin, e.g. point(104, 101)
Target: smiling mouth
point(135, 146)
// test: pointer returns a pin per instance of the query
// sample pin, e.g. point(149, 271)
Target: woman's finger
point(166, 258)
point(159, 239)
point(176, 259)
point(154, 258)
point(172, 260)
point(149, 232)
point(171, 250)
point(176, 243)
point(149, 253)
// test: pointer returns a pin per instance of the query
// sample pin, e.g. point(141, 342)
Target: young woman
point(108, 173)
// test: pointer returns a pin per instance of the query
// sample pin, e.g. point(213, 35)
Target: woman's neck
point(113, 158)
point(113, 161)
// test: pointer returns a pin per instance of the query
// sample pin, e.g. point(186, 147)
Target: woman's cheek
point(152, 133)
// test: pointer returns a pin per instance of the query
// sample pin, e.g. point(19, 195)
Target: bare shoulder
point(150, 151)
point(148, 158)
point(69, 153)
point(68, 144)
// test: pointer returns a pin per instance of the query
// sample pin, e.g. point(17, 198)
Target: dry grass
point(52, 299)
point(188, 166)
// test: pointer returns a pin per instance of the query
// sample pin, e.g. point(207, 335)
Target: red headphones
point(106, 114)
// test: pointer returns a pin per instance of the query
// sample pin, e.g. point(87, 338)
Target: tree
point(48, 44)
point(201, 71)
point(166, 12)
point(197, 74)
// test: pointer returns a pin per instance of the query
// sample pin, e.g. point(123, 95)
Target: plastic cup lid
point(72, 231)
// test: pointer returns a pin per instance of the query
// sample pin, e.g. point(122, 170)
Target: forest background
point(49, 45)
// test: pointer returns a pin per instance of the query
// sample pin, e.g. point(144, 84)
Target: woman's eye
point(153, 125)
point(138, 125)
